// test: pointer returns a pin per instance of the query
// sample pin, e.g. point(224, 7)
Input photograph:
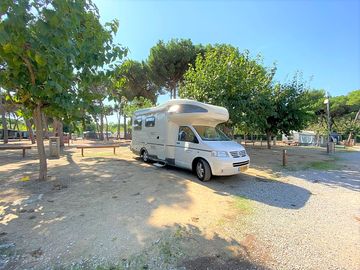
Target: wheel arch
point(142, 150)
point(193, 165)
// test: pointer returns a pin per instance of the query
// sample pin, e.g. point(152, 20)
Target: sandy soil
point(102, 209)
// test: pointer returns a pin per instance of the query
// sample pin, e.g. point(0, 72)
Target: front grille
point(238, 164)
point(237, 154)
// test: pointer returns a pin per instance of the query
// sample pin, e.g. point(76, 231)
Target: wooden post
point(114, 150)
point(261, 141)
point(82, 151)
point(23, 152)
point(284, 158)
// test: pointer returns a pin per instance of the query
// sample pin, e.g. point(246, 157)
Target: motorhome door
point(155, 137)
point(185, 147)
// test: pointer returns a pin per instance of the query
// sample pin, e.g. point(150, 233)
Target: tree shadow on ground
point(8, 157)
point(186, 247)
point(349, 179)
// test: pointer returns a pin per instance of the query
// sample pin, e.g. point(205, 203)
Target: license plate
point(243, 168)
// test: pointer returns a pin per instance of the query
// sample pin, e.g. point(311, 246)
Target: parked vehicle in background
point(14, 134)
point(183, 133)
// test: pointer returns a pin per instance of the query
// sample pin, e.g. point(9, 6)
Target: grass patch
point(324, 165)
point(243, 204)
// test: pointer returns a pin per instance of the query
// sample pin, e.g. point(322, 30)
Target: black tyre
point(203, 170)
point(145, 155)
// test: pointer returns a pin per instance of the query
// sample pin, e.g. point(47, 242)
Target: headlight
point(219, 154)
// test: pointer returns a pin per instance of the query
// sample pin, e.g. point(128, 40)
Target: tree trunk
point(268, 138)
point(351, 133)
point(29, 129)
point(107, 128)
point(45, 125)
point(58, 130)
point(16, 124)
point(274, 140)
point(125, 128)
point(101, 127)
point(40, 142)
point(4, 123)
point(10, 126)
point(118, 126)
point(130, 130)
point(61, 133)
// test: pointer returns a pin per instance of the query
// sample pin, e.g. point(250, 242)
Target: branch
point(29, 67)
point(357, 116)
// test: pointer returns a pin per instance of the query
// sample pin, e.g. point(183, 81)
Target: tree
point(169, 61)
point(228, 78)
point(288, 110)
point(129, 107)
point(132, 79)
point(317, 112)
point(234, 80)
point(49, 48)
point(137, 104)
point(3, 118)
point(345, 114)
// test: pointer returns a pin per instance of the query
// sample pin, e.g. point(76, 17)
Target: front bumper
point(230, 166)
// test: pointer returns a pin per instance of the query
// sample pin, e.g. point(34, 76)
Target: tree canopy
point(226, 77)
point(169, 61)
point(136, 104)
point(132, 79)
point(47, 50)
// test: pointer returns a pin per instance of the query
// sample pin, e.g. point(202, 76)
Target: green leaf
point(7, 48)
point(40, 60)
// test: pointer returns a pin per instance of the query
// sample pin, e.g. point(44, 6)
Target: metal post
point(284, 158)
point(328, 121)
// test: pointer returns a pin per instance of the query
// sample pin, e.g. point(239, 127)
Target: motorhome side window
point(187, 135)
point(150, 121)
point(137, 123)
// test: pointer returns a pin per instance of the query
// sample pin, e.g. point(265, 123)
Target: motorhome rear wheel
point(145, 155)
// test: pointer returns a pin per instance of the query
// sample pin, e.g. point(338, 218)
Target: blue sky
point(319, 38)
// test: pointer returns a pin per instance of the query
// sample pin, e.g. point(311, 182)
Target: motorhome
point(183, 133)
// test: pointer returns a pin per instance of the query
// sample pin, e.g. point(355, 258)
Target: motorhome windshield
point(211, 133)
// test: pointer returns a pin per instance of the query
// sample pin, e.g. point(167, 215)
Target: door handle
point(177, 142)
point(188, 150)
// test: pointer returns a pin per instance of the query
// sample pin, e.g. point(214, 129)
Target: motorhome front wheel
point(203, 170)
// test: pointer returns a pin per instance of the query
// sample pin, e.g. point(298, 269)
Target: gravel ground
point(310, 219)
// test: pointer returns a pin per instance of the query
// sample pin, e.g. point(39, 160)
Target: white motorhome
point(183, 133)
